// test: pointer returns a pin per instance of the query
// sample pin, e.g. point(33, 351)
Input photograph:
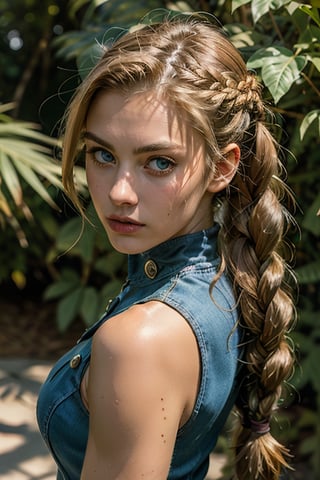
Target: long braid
point(251, 243)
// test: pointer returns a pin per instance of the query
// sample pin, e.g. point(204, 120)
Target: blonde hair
point(194, 65)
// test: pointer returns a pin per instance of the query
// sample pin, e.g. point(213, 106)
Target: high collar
point(173, 255)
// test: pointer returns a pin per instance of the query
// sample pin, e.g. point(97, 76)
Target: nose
point(123, 190)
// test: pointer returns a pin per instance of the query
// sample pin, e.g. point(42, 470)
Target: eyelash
point(171, 163)
point(92, 153)
point(170, 167)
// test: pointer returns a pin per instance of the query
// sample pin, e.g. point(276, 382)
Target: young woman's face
point(146, 171)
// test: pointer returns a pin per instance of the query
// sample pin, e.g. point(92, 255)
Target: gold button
point(75, 361)
point(151, 269)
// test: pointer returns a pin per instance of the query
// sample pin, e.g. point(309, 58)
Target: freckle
point(164, 418)
point(163, 409)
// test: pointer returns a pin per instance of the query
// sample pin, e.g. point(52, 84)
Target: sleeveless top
point(178, 273)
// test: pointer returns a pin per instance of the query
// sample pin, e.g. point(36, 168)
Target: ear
point(225, 168)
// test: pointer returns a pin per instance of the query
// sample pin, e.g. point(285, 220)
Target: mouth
point(124, 225)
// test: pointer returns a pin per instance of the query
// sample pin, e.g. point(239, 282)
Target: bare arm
point(142, 385)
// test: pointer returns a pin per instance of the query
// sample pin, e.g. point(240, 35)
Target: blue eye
point(104, 156)
point(101, 156)
point(161, 164)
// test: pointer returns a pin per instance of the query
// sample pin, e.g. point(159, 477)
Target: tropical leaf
point(11, 220)
point(26, 152)
point(309, 119)
point(261, 7)
point(33, 180)
point(235, 4)
point(90, 306)
point(313, 12)
point(316, 62)
point(280, 68)
point(17, 129)
point(101, 24)
point(68, 281)
point(10, 178)
point(69, 308)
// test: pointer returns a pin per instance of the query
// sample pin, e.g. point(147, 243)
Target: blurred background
point(51, 285)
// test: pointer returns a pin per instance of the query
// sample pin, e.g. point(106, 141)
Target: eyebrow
point(152, 147)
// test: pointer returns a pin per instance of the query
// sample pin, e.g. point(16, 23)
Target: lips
point(125, 225)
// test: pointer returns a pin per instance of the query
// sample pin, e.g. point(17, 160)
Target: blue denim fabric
point(185, 267)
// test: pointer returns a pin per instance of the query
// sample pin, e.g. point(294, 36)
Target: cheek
point(169, 198)
point(95, 181)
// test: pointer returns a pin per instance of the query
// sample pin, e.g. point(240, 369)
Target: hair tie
point(261, 428)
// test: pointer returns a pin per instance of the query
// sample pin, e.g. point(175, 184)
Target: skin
point(148, 181)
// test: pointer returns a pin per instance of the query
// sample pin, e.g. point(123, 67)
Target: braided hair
point(196, 68)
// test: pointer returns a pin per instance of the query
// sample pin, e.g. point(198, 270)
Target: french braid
point(251, 243)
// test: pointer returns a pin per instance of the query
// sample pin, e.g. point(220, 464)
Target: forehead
point(138, 111)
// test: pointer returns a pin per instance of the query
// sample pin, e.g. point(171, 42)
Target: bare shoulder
point(152, 346)
point(151, 330)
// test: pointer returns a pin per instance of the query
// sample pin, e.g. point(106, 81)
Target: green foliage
point(100, 25)
point(83, 287)
point(26, 154)
point(280, 69)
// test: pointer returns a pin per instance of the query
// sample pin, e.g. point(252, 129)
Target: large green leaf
point(280, 68)
point(68, 308)
point(68, 282)
point(90, 306)
point(261, 7)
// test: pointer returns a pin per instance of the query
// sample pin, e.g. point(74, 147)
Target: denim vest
point(178, 273)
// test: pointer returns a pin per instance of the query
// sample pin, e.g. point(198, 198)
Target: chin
point(126, 249)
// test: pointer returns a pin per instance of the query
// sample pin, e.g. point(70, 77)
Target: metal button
point(151, 269)
point(75, 361)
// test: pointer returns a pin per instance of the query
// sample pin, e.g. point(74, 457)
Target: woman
point(168, 119)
